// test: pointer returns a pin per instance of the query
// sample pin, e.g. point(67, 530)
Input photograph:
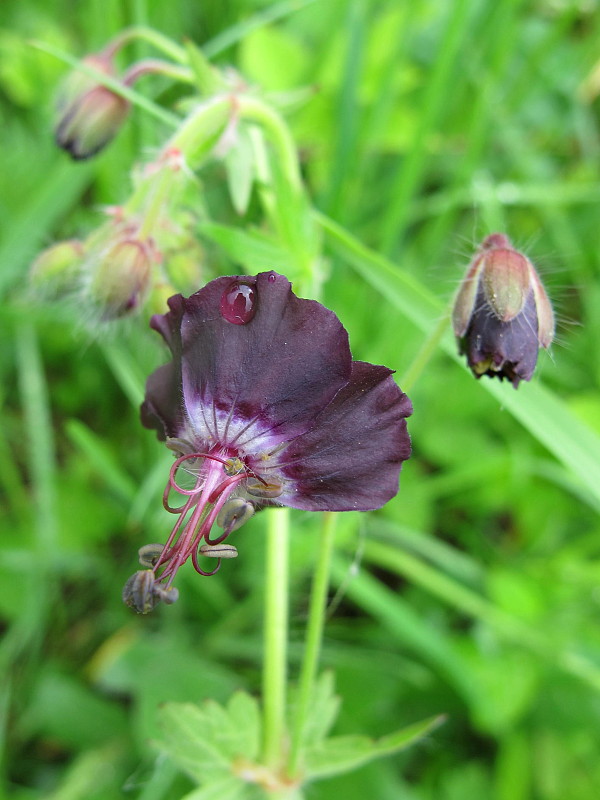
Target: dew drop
point(238, 303)
point(272, 277)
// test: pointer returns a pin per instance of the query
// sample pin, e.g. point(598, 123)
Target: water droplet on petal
point(238, 303)
point(272, 278)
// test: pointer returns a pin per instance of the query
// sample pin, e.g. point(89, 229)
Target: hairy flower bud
point(88, 114)
point(502, 314)
point(54, 272)
point(121, 277)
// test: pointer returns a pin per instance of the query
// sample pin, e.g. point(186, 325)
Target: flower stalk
point(314, 637)
point(275, 638)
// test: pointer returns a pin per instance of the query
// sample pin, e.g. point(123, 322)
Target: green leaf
point(245, 721)
point(208, 79)
point(346, 753)
point(274, 58)
point(102, 459)
point(324, 709)
point(229, 788)
point(239, 165)
point(253, 249)
point(206, 740)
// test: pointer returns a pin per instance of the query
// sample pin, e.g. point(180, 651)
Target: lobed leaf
point(345, 753)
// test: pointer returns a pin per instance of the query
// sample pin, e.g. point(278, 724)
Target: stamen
point(149, 554)
point(234, 513)
point(218, 551)
point(263, 489)
point(200, 570)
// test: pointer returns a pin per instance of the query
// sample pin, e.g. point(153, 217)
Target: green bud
point(121, 277)
point(56, 268)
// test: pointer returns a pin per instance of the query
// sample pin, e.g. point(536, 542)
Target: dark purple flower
point(263, 405)
point(502, 314)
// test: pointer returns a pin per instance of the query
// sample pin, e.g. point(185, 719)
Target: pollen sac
point(234, 513)
point(502, 314)
point(168, 596)
point(218, 550)
point(149, 554)
point(265, 491)
point(139, 592)
point(233, 466)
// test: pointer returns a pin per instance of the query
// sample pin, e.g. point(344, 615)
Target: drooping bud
point(54, 272)
point(121, 277)
point(502, 314)
point(88, 114)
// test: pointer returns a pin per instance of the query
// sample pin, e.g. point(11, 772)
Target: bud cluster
point(145, 251)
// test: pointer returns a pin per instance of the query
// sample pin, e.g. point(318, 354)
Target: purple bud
point(502, 314)
point(89, 114)
point(121, 277)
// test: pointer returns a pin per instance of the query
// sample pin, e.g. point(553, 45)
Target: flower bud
point(88, 114)
point(502, 314)
point(56, 268)
point(121, 277)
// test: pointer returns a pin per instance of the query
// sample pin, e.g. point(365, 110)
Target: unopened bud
point(89, 114)
point(121, 277)
point(502, 314)
point(55, 269)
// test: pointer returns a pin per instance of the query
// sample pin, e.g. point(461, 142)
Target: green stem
point(153, 37)
point(200, 128)
point(112, 83)
point(275, 636)
point(155, 66)
point(252, 109)
point(427, 350)
point(314, 636)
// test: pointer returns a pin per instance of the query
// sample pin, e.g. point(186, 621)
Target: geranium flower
point(263, 405)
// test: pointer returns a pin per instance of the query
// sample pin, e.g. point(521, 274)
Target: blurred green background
point(475, 592)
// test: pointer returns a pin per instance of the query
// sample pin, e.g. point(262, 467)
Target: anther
point(218, 550)
point(149, 554)
point(234, 513)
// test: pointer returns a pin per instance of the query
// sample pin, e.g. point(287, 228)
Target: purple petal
point(255, 384)
point(351, 459)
